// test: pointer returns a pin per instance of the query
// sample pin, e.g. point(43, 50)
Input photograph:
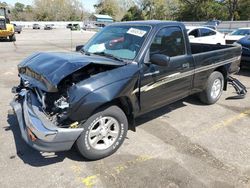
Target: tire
point(104, 141)
point(19, 32)
point(12, 38)
point(213, 90)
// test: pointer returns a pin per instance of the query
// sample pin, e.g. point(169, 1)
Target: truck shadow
point(158, 113)
point(163, 111)
point(245, 71)
point(35, 158)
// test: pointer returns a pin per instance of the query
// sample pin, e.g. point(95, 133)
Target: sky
point(88, 4)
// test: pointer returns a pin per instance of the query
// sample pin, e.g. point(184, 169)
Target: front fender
point(85, 107)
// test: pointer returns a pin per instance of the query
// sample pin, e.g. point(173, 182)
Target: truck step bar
point(240, 89)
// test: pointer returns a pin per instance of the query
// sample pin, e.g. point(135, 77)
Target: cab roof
point(150, 22)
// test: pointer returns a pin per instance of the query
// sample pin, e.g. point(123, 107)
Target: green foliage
point(58, 10)
point(154, 9)
point(19, 7)
point(3, 4)
point(17, 11)
point(200, 10)
point(244, 10)
point(47, 10)
point(108, 7)
point(134, 13)
point(115, 8)
point(183, 10)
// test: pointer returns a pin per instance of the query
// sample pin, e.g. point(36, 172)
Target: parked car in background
point(69, 26)
point(237, 35)
point(75, 27)
point(89, 26)
point(210, 26)
point(245, 57)
point(204, 35)
point(213, 23)
point(18, 28)
point(48, 26)
point(36, 26)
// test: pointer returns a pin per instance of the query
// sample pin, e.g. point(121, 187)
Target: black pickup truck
point(90, 98)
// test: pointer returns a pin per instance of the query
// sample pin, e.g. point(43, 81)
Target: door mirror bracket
point(79, 48)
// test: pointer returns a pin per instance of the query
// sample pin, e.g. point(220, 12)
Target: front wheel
point(104, 132)
point(213, 90)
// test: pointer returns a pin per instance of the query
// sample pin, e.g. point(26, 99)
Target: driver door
point(161, 85)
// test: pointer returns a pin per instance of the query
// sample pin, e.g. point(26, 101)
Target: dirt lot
point(186, 144)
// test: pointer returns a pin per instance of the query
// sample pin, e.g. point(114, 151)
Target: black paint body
point(137, 87)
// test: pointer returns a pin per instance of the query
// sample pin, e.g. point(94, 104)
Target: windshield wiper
point(109, 55)
point(83, 52)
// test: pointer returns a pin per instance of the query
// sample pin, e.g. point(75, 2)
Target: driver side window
point(168, 41)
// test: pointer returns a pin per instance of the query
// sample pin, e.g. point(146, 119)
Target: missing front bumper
point(37, 130)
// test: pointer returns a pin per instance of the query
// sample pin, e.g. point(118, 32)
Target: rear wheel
point(12, 38)
point(104, 132)
point(213, 90)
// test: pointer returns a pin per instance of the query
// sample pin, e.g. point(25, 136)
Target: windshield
point(2, 13)
point(241, 32)
point(123, 42)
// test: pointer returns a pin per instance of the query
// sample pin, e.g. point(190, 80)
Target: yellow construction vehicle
point(6, 29)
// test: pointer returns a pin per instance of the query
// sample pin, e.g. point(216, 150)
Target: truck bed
point(209, 57)
point(200, 48)
point(211, 54)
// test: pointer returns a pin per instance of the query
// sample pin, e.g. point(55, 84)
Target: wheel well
point(223, 71)
point(125, 104)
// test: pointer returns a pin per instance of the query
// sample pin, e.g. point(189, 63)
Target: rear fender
point(224, 71)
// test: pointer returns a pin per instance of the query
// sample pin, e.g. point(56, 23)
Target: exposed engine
point(55, 104)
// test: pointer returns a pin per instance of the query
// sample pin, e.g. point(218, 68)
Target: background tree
point(108, 7)
point(159, 9)
point(17, 11)
point(244, 10)
point(200, 10)
point(123, 7)
point(59, 10)
point(3, 4)
point(134, 13)
point(232, 6)
point(183, 10)
point(114, 8)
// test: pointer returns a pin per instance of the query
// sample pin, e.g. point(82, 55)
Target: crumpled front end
point(52, 89)
point(37, 129)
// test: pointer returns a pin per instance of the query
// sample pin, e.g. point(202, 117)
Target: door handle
point(185, 65)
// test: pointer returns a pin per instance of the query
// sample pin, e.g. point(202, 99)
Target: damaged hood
point(46, 70)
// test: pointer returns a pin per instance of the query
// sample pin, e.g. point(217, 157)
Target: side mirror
point(79, 47)
point(191, 36)
point(160, 59)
